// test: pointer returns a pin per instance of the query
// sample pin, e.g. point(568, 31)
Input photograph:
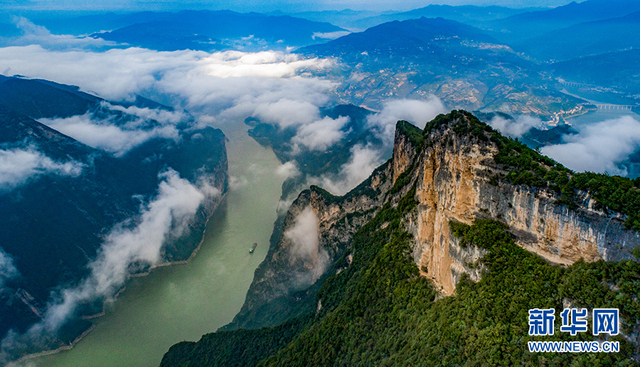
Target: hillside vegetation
point(379, 311)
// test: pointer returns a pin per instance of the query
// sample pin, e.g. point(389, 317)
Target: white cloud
point(167, 215)
point(35, 34)
point(260, 64)
point(321, 134)
point(330, 35)
point(197, 80)
point(236, 183)
point(104, 134)
point(115, 74)
point(162, 116)
point(8, 269)
point(18, 166)
point(288, 170)
point(418, 112)
point(359, 167)
point(598, 147)
point(305, 246)
point(517, 127)
point(286, 112)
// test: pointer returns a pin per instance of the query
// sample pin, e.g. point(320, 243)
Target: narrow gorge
point(410, 229)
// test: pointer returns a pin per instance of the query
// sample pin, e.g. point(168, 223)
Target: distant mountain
point(54, 222)
point(522, 26)
point(586, 39)
point(346, 18)
point(461, 64)
point(407, 38)
point(215, 30)
point(616, 69)
point(469, 14)
point(88, 24)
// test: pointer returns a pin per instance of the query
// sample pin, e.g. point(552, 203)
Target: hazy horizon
point(255, 5)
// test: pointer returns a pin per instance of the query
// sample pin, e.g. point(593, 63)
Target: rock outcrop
point(454, 182)
point(454, 175)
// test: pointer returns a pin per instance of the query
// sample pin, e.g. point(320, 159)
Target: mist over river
point(183, 302)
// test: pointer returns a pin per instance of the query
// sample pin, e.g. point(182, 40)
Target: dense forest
point(379, 311)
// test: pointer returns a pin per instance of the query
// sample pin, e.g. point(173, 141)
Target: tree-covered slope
point(381, 312)
point(379, 309)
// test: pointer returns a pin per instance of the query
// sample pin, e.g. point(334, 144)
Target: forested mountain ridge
point(63, 201)
point(436, 259)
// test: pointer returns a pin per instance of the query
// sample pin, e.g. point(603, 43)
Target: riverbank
point(188, 299)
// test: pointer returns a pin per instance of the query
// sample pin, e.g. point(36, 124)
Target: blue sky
point(256, 5)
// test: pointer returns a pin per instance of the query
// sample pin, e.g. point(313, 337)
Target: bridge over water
point(578, 85)
point(615, 107)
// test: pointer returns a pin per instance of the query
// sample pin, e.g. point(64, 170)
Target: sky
point(258, 5)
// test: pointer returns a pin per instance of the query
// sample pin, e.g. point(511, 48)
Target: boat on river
point(253, 248)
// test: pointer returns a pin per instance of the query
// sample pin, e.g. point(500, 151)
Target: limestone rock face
point(452, 174)
point(453, 183)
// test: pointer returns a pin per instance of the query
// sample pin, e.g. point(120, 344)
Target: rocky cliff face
point(339, 287)
point(454, 178)
point(316, 231)
point(453, 183)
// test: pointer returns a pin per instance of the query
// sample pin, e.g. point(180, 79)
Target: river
point(183, 302)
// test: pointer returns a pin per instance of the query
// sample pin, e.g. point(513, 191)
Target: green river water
point(183, 302)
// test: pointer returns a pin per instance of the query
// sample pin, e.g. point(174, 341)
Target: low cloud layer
point(517, 127)
point(598, 147)
point(330, 35)
point(286, 112)
point(168, 214)
point(288, 170)
point(108, 135)
point(265, 84)
point(162, 116)
point(321, 134)
point(418, 112)
point(306, 248)
point(19, 166)
point(35, 34)
point(359, 167)
point(8, 269)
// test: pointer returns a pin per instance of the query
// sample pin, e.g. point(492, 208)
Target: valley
point(144, 151)
point(182, 302)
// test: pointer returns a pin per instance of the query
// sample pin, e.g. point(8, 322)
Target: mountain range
point(462, 65)
point(586, 39)
point(530, 24)
point(437, 257)
point(61, 198)
point(216, 30)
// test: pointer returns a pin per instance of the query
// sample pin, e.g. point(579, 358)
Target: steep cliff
point(283, 284)
point(458, 211)
point(457, 180)
point(455, 174)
